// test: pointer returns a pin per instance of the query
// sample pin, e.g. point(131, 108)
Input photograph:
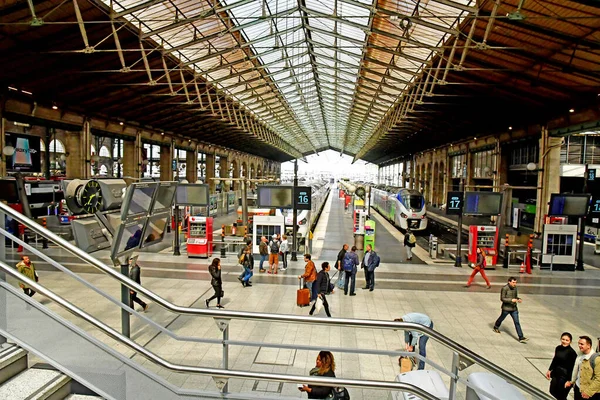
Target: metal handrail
point(358, 323)
point(214, 372)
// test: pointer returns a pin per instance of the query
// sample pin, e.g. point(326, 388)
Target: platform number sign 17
point(302, 197)
point(454, 203)
point(595, 208)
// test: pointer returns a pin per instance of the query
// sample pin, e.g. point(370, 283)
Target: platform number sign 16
point(302, 197)
point(454, 203)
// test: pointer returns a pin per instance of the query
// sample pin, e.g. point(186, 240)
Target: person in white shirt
point(585, 378)
point(283, 250)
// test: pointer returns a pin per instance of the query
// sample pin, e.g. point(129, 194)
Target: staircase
point(18, 382)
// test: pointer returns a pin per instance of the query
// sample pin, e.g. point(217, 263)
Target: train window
point(414, 202)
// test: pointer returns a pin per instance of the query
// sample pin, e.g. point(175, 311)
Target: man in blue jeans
point(411, 338)
point(510, 298)
point(263, 250)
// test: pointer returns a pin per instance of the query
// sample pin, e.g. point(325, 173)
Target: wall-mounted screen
point(192, 195)
point(165, 196)
point(275, 196)
point(569, 205)
point(9, 191)
point(138, 199)
point(128, 237)
point(27, 155)
point(482, 203)
point(155, 229)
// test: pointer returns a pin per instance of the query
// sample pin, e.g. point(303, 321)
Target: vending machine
point(370, 233)
point(360, 217)
point(200, 236)
point(485, 237)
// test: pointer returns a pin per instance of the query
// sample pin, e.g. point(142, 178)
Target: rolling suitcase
point(302, 295)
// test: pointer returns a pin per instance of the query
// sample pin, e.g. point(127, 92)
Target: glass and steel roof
point(321, 73)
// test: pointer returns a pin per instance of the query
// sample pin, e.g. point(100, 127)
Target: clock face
point(91, 197)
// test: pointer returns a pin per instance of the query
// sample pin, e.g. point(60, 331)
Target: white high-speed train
point(405, 208)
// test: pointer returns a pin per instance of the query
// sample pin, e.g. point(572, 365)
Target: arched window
point(104, 152)
point(93, 150)
point(56, 146)
point(103, 170)
point(42, 145)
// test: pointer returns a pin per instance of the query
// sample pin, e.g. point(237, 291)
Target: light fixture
point(63, 157)
point(571, 110)
point(531, 166)
point(8, 151)
point(16, 90)
point(510, 128)
point(474, 138)
point(162, 133)
point(54, 107)
point(121, 123)
point(27, 92)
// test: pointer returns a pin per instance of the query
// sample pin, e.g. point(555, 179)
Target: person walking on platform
point(310, 276)
point(479, 268)
point(246, 261)
point(283, 250)
point(586, 373)
point(510, 297)
point(26, 267)
point(411, 338)
point(338, 265)
point(263, 250)
point(369, 263)
point(323, 287)
point(409, 243)
point(561, 368)
point(215, 272)
point(273, 255)
point(135, 275)
point(350, 265)
point(325, 367)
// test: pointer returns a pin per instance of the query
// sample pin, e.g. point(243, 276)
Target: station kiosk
point(200, 236)
point(267, 226)
point(485, 237)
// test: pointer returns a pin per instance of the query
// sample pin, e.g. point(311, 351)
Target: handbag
point(318, 305)
point(339, 393)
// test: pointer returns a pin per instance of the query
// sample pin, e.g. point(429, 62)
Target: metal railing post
point(454, 378)
point(125, 326)
point(3, 303)
point(225, 354)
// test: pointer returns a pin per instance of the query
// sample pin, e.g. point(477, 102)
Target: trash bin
point(359, 242)
point(433, 246)
point(492, 384)
point(428, 380)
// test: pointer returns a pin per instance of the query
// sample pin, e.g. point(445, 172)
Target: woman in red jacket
point(479, 267)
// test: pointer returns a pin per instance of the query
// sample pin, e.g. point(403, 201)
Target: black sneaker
point(248, 284)
point(496, 330)
point(352, 294)
point(240, 279)
point(206, 302)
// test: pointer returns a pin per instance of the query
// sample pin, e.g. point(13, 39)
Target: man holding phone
point(510, 298)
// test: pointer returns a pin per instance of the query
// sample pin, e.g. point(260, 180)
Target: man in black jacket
point(510, 298)
point(338, 265)
point(135, 275)
point(323, 285)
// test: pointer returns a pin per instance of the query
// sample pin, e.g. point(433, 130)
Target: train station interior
point(147, 145)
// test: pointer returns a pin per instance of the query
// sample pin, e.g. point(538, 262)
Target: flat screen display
point(275, 197)
point(138, 199)
point(164, 197)
point(482, 203)
point(192, 195)
point(27, 155)
point(129, 237)
point(155, 229)
point(9, 191)
point(571, 205)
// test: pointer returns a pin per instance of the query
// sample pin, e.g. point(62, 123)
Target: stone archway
point(435, 185)
point(235, 173)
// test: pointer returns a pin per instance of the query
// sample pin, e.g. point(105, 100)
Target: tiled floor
point(553, 303)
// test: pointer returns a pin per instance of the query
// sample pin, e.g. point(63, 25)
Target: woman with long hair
point(479, 267)
point(215, 271)
point(325, 366)
point(561, 368)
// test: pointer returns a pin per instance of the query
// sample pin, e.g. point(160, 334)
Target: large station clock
point(89, 197)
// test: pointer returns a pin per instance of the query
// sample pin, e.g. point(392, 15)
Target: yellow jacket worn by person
point(590, 378)
point(28, 271)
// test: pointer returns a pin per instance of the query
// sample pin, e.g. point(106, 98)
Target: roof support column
point(548, 174)
point(166, 162)
point(2, 135)
point(224, 172)
point(191, 162)
point(78, 146)
point(132, 162)
point(210, 172)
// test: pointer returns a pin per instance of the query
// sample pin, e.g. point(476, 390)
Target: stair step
point(13, 361)
point(36, 384)
point(82, 397)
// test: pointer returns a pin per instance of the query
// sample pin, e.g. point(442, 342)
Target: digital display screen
point(164, 197)
point(275, 196)
point(129, 237)
point(454, 203)
point(482, 203)
point(155, 229)
point(569, 205)
point(138, 199)
point(192, 195)
point(27, 155)
point(302, 196)
point(9, 191)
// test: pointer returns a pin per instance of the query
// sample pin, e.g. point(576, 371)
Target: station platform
point(553, 303)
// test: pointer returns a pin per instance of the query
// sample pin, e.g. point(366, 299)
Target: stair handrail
point(246, 315)
point(214, 372)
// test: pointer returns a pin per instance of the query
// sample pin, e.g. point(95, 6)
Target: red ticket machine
point(342, 194)
point(485, 237)
point(200, 237)
point(347, 201)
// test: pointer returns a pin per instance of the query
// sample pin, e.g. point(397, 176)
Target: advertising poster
point(27, 155)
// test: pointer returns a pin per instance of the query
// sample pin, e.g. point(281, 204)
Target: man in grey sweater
point(510, 298)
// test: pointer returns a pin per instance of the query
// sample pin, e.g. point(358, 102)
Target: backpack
point(339, 393)
point(376, 260)
point(593, 363)
point(274, 247)
point(242, 258)
point(412, 239)
point(348, 263)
